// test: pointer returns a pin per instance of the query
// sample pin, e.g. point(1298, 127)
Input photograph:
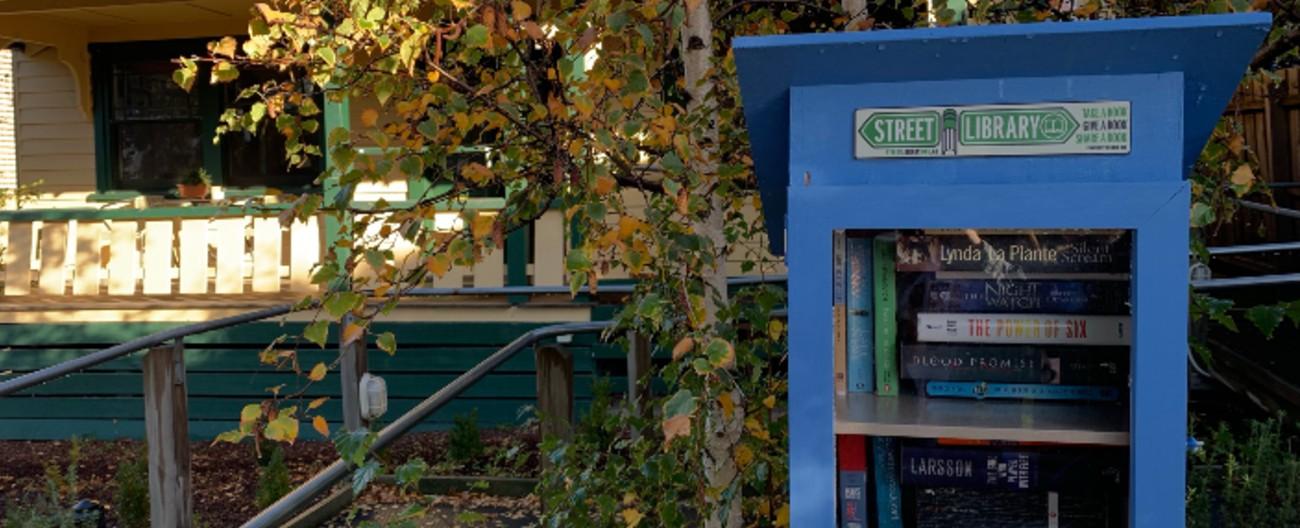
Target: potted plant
point(194, 185)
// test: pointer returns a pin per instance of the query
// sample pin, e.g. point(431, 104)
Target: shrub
point(272, 480)
point(131, 498)
point(465, 444)
point(1251, 478)
point(53, 507)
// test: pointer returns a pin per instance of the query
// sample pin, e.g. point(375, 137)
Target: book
point(1052, 329)
point(982, 508)
point(851, 457)
point(1072, 365)
point(859, 324)
point(1004, 255)
point(839, 338)
point(1027, 296)
point(980, 390)
point(886, 325)
point(889, 493)
point(1021, 469)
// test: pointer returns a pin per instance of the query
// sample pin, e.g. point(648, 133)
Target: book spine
point(884, 290)
point(1052, 329)
point(969, 468)
point(859, 327)
point(1006, 255)
point(889, 492)
point(1019, 391)
point(1027, 296)
point(980, 508)
point(839, 348)
point(851, 454)
point(1015, 364)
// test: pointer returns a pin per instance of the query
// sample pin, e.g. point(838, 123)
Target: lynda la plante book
point(1051, 329)
point(1005, 255)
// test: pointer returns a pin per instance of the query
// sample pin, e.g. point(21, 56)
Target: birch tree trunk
point(723, 431)
point(857, 12)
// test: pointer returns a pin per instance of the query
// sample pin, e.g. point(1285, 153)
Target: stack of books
point(1004, 315)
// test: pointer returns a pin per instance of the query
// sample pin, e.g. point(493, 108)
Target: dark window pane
point(145, 91)
point(258, 160)
point(152, 155)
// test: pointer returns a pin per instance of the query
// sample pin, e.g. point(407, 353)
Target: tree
point(593, 108)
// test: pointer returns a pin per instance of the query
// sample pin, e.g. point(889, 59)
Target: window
point(149, 132)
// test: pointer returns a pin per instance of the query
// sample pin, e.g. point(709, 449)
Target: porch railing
point(218, 250)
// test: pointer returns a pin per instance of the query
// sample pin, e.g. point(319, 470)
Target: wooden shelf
point(918, 417)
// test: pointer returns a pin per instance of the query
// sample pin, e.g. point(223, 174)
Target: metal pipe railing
point(1254, 248)
point(1280, 211)
point(1238, 282)
point(289, 504)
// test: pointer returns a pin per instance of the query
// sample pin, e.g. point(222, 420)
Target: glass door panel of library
point(982, 377)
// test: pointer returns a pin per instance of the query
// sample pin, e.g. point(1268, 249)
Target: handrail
point(108, 354)
point(282, 509)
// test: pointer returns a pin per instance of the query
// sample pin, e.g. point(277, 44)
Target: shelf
point(918, 417)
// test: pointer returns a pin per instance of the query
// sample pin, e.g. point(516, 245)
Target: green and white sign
point(1101, 127)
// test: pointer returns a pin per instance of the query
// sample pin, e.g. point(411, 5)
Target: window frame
point(103, 58)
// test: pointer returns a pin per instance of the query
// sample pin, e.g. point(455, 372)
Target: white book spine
point(1096, 330)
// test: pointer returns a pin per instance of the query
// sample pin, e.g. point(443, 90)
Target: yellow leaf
point(783, 515)
point(744, 456)
point(318, 372)
point(632, 517)
point(250, 413)
point(627, 225)
point(369, 117)
point(521, 10)
point(770, 401)
point(683, 347)
point(1243, 175)
point(774, 329)
point(318, 423)
point(476, 172)
point(225, 47)
point(629, 498)
point(728, 405)
point(676, 426)
point(351, 333)
point(481, 225)
point(604, 184)
point(438, 265)
point(1237, 144)
point(283, 428)
point(316, 403)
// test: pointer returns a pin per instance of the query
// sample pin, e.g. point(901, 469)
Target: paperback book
point(983, 508)
point(980, 390)
point(1009, 468)
point(1069, 365)
point(1027, 296)
point(860, 323)
point(886, 304)
point(889, 492)
point(1004, 255)
point(839, 314)
point(851, 453)
point(1051, 329)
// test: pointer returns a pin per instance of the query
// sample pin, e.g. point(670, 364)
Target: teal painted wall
point(224, 374)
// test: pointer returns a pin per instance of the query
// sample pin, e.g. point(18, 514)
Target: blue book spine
point(1028, 296)
point(969, 468)
point(1020, 391)
point(861, 322)
point(889, 493)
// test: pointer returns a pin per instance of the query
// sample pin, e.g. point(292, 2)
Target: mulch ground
point(224, 475)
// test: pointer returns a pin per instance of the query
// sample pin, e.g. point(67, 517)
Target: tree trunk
point(857, 12)
point(724, 432)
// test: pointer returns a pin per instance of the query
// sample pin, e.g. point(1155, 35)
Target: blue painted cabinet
point(981, 150)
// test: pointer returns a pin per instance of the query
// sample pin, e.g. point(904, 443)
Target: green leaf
point(636, 83)
point(353, 446)
point(1266, 318)
point(387, 342)
point(340, 303)
point(317, 332)
point(327, 56)
point(185, 75)
point(1202, 214)
point(362, 477)
point(223, 72)
point(683, 402)
point(577, 261)
point(257, 112)
point(411, 166)
point(410, 473)
point(476, 36)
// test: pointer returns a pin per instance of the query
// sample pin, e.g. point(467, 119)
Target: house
point(104, 251)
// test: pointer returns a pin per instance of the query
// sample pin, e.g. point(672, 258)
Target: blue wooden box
point(800, 94)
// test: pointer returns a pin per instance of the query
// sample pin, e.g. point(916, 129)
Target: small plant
point(466, 445)
point(194, 184)
point(1251, 478)
point(272, 480)
point(131, 499)
point(53, 507)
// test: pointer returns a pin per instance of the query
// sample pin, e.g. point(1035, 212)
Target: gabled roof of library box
point(1210, 50)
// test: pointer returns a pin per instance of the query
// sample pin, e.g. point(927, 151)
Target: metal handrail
point(282, 509)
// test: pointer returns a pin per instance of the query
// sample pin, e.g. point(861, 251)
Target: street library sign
point(1100, 127)
point(988, 275)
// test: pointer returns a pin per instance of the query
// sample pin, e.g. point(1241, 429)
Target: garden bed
point(225, 475)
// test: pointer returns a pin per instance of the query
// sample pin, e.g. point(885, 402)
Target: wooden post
point(352, 364)
point(638, 364)
point(166, 419)
point(555, 390)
